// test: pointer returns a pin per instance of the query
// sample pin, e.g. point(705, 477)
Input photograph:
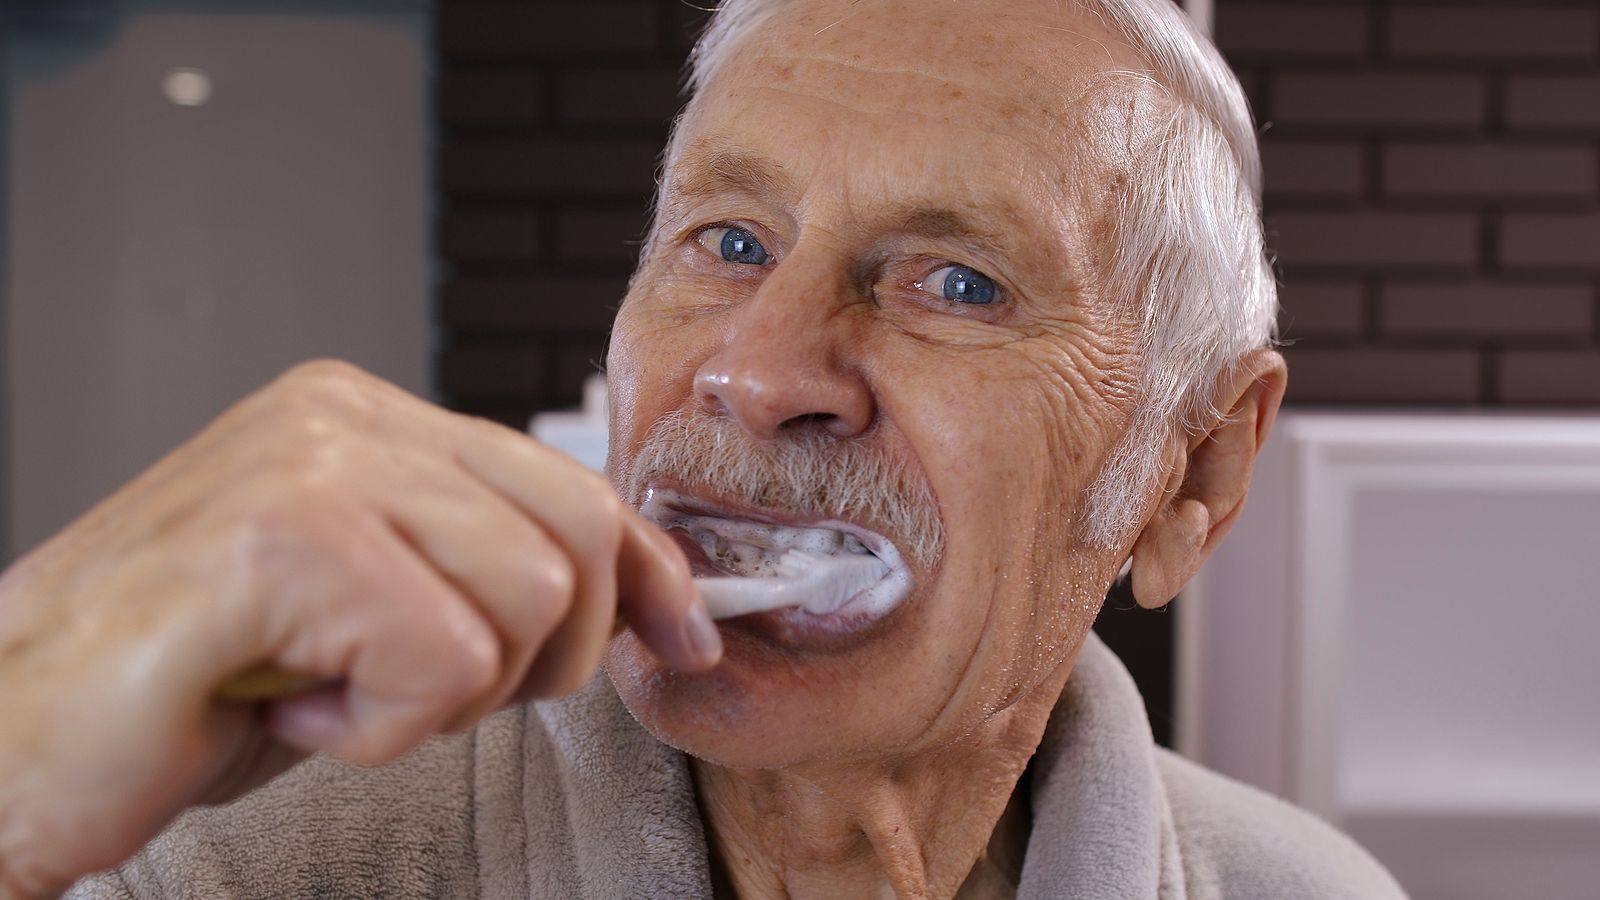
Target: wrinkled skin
point(886, 762)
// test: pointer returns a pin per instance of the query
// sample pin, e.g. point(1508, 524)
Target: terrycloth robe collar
point(1102, 828)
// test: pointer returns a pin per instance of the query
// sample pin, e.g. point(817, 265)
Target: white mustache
point(810, 474)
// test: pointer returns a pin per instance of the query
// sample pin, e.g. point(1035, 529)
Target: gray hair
point(1189, 254)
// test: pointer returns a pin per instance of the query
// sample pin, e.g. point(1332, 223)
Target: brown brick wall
point(1433, 190)
point(1433, 194)
point(552, 113)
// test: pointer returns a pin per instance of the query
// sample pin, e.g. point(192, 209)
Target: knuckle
point(474, 667)
point(608, 532)
point(605, 521)
point(328, 386)
point(551, 581)
point(319, 372)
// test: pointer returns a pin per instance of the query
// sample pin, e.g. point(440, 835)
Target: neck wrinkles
point(911, 827)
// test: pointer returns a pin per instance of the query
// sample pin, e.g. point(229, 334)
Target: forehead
point(1027, 94)
point(968, 74)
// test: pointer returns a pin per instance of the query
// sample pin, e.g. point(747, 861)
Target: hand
point(431, 567)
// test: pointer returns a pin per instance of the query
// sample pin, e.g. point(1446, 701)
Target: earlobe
point(1168, 552)
point(1215, 477)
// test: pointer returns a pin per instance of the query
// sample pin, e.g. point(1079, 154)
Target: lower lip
point(796, 630)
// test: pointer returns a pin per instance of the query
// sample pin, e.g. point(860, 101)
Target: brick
point(1494, 34)
point(1379, 100)
point(550, 165)
point(474, 98)
point(1374, 239)
point(592, 235)
point(1312, 168)
point(536, 303)
point(548, 27)
point(1313, 308)
point(1488, 309)
point(492, 372)
point(480, 235)
point(1551, 377)
point(1253, 30)
point(1566, 241)
point(619, 96)
point(1368, 375)
point(1553, 101)
point(1490, 170)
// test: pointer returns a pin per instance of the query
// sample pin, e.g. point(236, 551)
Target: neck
point(933, 824)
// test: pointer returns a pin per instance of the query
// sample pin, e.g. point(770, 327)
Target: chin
point(786, 692)
point(794, 684)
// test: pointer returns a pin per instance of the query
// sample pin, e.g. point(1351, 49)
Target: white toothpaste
point(821, 568)
point(817, 584)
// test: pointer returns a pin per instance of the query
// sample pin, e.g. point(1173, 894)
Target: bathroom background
point(198, 193)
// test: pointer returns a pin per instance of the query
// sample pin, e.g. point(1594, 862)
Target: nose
point(785, 364)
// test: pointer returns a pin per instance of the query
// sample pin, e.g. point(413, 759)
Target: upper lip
point(699, 505)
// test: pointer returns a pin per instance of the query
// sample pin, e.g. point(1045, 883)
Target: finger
point(363, 606)
point(569, 658)
point(579, 510)
point(657, 598)
point(504, 563)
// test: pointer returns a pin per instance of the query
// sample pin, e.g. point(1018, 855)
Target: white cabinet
point(1402, 634)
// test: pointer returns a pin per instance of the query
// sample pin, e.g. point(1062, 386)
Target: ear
point(1208, 481)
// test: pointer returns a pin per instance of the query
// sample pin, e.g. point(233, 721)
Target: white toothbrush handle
point(730, 596)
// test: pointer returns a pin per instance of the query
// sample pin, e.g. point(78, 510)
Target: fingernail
point(316, 722)
point(702, 634)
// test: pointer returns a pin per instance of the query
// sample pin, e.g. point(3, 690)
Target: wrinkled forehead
point(1021, 103)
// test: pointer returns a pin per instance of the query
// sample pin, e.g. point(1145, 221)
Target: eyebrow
point(708, 170)
point(945, 223)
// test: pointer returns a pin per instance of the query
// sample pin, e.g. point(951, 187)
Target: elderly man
point(966, 301)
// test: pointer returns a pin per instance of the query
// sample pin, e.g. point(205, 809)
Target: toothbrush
point(818, 584)
point(813, 582)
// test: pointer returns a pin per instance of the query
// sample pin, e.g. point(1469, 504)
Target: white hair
point(1189, 258)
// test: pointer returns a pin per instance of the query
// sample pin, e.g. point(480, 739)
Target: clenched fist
point(427, 567)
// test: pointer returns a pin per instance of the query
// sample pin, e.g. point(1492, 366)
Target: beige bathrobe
point(573, 799)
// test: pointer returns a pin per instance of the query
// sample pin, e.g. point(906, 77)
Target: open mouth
point(721, 542)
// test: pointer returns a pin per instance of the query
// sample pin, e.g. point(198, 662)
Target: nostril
point(808, 422)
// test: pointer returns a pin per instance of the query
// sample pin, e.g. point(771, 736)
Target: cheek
point(654, 353)
point(1011, 437)
point(1009, 443)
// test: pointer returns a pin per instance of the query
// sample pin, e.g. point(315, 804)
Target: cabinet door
point(1399, 635)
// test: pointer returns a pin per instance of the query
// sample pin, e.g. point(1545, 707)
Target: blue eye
point(734, 245)
point(961, 284)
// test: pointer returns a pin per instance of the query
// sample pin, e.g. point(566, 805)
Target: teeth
point(735, 556)
point(754, 549)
